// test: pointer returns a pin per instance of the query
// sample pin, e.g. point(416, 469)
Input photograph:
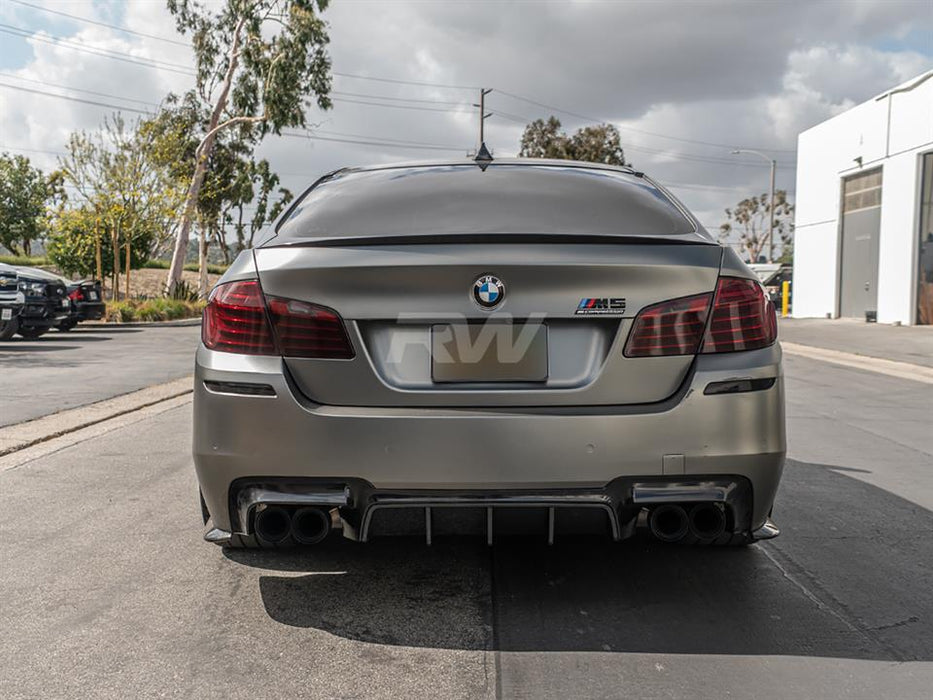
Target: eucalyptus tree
point(260, 63)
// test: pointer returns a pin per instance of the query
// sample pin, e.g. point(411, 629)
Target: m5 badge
point(601, 306)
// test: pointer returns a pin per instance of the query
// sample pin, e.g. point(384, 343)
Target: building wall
point(826, 154)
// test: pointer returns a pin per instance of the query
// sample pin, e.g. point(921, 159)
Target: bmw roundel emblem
point(488, 291)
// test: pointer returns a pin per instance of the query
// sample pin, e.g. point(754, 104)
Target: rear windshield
point(441, 200)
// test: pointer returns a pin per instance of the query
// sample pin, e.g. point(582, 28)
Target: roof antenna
point(483, 157)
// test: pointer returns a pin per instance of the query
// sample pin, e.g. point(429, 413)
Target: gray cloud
point(752, 74)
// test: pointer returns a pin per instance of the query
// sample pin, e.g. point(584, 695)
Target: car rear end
point(627, 372)
point(86, 301)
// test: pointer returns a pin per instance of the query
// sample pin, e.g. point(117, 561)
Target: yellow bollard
point(785, 298)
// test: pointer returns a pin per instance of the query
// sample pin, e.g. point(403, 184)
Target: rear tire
point(8, 328)
point(66, 326)
point(32, 332)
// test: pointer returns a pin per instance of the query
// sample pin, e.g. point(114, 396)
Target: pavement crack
point(899, 623)
point(835, 609)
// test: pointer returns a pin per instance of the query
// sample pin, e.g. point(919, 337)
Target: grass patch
point(190, 267)
point(152, 310)
point(24, 260)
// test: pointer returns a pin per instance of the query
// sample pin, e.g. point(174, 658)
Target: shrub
point(189, 267)
point(163, 309)
point(24, 260)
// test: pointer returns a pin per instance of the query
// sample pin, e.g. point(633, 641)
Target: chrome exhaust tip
point(669, 523)
point(273, 525)
point(310, 525)
point(707, 521)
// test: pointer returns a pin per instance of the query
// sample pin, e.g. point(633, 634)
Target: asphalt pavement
point(107, 590)
point(58, 371)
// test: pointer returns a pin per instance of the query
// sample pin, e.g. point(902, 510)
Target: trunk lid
point(393, 298)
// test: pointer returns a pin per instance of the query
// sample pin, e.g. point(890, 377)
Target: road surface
point(108, 591)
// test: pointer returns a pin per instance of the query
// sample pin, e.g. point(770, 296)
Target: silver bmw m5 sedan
point(489, 347)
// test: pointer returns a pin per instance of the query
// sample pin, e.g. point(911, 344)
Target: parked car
point(488, 347)
point(11, 301)
point(46, 303)
point(772, 277)
point(86, 302)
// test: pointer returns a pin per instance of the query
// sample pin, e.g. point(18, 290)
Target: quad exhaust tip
point(273, 524)
point(310, 525)
point(707, 521)
point(669, 523)
point(672, 523)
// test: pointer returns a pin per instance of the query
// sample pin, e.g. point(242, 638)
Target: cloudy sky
point(685, 82)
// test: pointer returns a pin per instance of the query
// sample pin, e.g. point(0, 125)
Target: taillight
point(236, 320)
point(743, 317)
point(76, 295)
point(308, 330)
point(670, 328)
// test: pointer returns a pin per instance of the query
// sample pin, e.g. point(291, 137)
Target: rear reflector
point(670, 328)
point(743, 317)
point(236, 320)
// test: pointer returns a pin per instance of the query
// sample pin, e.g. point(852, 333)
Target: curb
point(182, 322)
point(19, 436)
point(868, 363)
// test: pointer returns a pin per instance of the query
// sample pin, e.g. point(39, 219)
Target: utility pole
point(771, 215)
point(770, 200)
point(482, 114)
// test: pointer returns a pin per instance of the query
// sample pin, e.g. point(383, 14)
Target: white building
point(863, 246)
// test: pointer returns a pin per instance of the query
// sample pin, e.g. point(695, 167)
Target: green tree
point(594, 144)
point(267, 209)
point(232, 179)
point(749, 220)
point(74, 239)
point(116, 176)
point(25, 198)
point(258, 64)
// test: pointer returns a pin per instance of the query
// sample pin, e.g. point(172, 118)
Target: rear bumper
point(90, 311)
point(276, 435)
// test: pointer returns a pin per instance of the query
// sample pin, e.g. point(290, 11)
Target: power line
point(74, 99)
point(632, 129)
point(74, 89)
point(413, 107)
point(99, 24)
point(313, 137)
point(4, 147)
point(398, 81)
point(95, 51)
point(387, 138)
point(398, 99)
